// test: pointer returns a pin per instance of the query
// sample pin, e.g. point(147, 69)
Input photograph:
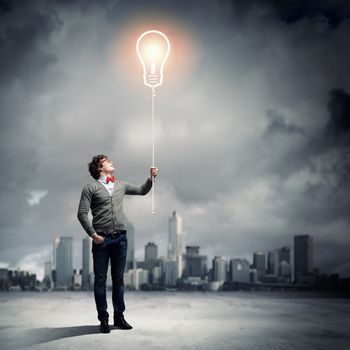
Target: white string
point(153, 138)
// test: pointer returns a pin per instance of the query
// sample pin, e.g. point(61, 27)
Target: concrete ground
point(176, 320)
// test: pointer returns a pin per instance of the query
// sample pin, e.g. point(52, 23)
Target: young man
point(104, 196)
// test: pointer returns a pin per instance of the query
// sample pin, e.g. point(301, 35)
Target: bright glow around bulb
point(153, 48)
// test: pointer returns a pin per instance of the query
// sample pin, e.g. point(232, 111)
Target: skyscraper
point(259, 262)
point(303, 256)
point(170, 273)
point(284, 268)
point(87, 264)
point(273, 262)
point(175, 244)
point(239, 270)
point(151, 255)
point(195, 264)
point(47, 281)
point(219, 269)
point(55, 242)
point(48, 269)
point(151, 251)
point(64, 262)
point(284, 254)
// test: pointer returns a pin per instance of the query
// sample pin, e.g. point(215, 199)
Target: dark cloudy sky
point(252, 123)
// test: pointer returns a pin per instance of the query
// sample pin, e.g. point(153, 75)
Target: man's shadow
point(44, 335)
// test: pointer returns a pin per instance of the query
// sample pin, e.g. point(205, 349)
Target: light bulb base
point(153, 80)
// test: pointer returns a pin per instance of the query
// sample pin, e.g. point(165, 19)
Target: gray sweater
point(106, 209)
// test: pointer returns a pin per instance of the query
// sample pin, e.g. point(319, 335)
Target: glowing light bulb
point(153, 48)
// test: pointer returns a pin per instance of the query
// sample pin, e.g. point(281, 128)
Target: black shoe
point(119, 321)
point(104, 326)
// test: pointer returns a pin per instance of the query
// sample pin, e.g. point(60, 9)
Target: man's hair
point(95, 165)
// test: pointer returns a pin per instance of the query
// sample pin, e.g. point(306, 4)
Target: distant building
point(22, 280)
point(259, 263)
point(159, 271)
point(151, 255)
point(303, 257)
point(273, 262)
point(77, 279)
point(139, 264)
point(55, 242)
point(87, 271)
point(134, 278)
point(195, 264)
point(48, 269)
point(170, 268)
point(64, 262)
point(47, 280)
point(279, 265)
point(157, 275)
point(285, 271)
point(253, 275)
point(4, 279)
point(239, 270)
point(284, 268)
point(219, 269)
point(175, 243)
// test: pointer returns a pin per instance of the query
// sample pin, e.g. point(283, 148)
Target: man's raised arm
point(143, 189)
point(138, 190)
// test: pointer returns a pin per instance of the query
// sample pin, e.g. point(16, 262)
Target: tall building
point(55, 242)
point(303, 256)
point(175, 244)
point(273, 262)
point(151, 251)
point(285, 271)
point(219, 269)
point(151, 255)
point(48, 269)
point(157, 275)
point(195, 264)
point(87, 272)
point(239, 270)
point(284, 254)
point(259, 263)
point(284, 267)
point(47, 280)
point(64, 262)
point(130, 255)
point(170, 273)
point(159, 271)
point(4, 279)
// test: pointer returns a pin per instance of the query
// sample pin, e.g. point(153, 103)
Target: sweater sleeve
point(83, 210)
point(138, 190)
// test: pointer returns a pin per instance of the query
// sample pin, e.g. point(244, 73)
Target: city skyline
point(275, 261)
point(229, 271)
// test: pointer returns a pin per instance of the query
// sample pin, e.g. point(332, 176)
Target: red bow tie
point(112, 179)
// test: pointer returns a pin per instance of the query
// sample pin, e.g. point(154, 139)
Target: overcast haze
point(252, 123)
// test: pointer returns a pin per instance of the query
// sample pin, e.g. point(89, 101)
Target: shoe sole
point(122, 328)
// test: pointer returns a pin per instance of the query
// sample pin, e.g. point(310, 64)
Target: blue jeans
point(115, 250)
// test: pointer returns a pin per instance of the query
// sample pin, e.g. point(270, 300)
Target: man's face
point(106, 165)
